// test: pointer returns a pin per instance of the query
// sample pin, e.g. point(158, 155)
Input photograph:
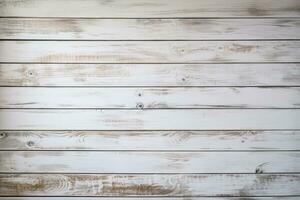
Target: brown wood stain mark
point(21, 184)
point(135, 189)
point(150, 22)
point(241, 47)
point(116, 185)
point(255, 11)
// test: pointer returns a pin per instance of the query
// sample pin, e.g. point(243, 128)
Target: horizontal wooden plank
point(150, 75)
point(148, 29)
point(20, 97)
point(148, 162)
point(148, 198)
point(149, 51)
point(191, 119)
point(149, 185)
point(150, 140)
point(150, 8)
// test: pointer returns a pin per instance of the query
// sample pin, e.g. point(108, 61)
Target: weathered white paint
point(65, 130)
point(148, 198)
point(149, 51)
point(150, 140)
point(21, 97)
point(150, 8)
point(150, 185)
point(175, 119)
point(148, 29)
point(148, 162)
point(150, 74)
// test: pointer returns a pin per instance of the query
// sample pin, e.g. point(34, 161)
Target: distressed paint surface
point(150, 140)
point(143, 98)
point(148, 51)
point(148, 198)
point(148, 162)
point(150, 8)
point(149, 185)
point(176, 119)
point(149, 99)
point(148, 29)
point(287, 74)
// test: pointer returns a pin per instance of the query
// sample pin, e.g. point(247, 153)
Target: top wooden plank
point(149, 8)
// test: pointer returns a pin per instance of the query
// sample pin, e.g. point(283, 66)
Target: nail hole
point(30, 143)
point(140, 105)
point(2, 135)
point(183, 79)
point(139, 94)
point(258, 171)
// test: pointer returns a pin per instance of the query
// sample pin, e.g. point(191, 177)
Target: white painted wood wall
point(155, 99)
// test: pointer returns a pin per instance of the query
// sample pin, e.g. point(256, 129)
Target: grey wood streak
point(150, 8)
point(149, 51)
point(148, 162)
point(148, 29)
point(175, 119)
point(150, 140)
point(150, 74)
point(128, 98)
point(149, 185)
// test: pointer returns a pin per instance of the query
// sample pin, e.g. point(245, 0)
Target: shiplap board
point(28, 97)
point(149, 185)
point(175, 119)
point(150, 74)
point(150, 140)
point(150, 8)
point(148, 51)
point(148, 162)
point(148, 198)
point(148, 29)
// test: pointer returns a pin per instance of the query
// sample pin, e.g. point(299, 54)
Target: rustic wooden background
point(155, 99)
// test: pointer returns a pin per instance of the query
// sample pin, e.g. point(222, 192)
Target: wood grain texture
point(150, 75)
point(128, 98)
point(150, 8)
point(150, 140)
point(149, 185)
point(148, 51)
point(197, 119)
point(148, 29)
point(148, 162)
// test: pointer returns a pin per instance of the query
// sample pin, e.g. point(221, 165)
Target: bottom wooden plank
point(149, 185)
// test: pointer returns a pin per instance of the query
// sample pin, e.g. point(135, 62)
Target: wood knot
point(30, 73)
point(139, 105)
point(30, 143)
point(258, 171)
point(3, 135)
